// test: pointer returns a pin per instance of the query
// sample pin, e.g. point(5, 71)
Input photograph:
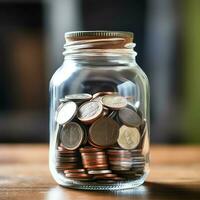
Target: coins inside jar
point(104, 132)
point(100, 138)
point(72, 135)
point(130, 117)
point(66, 112)
point(129, 137)
point(90, 111)
point(114, 102)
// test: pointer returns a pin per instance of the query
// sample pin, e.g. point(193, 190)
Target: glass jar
point(99, 114)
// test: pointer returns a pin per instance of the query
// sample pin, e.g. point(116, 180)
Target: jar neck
point(106, 50)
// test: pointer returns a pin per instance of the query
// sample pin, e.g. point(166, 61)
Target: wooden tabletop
point(24, 175)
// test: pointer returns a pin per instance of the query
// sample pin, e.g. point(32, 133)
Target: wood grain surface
point(24, 175)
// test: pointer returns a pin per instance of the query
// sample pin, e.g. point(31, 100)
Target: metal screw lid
point(81, 35)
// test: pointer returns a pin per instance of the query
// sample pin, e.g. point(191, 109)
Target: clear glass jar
point(99, 114)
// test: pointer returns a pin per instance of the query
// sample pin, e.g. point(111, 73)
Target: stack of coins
point(127, 163)
point(67, 159)
point(93, 158)
point(78, 174)
point(102, 137)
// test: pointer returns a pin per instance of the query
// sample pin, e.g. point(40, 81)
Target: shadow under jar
point(99, 114)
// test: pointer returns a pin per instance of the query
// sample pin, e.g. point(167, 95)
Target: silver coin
point(66, 112)
point(79, 97)
point(129, 137)
point(72, 136)
point(103, 171)
point(114, 102)
point(90, 111)
point(130, 117)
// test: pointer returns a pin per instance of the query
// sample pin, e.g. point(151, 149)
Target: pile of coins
point(127, 163)
point(67, 159)
point(78, 174)
point(93, 158)
point(100, 137)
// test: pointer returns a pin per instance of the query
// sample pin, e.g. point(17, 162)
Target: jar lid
point(82, 35)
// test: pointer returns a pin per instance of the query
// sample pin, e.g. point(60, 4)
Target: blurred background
point(167, 34)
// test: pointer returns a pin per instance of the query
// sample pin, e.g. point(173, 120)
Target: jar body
point(124, 163)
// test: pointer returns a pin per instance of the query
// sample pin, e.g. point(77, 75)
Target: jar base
point(120, 185)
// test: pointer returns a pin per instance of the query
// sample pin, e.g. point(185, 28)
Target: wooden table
point(24, 175)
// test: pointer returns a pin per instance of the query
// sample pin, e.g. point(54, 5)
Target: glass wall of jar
point(99, 114)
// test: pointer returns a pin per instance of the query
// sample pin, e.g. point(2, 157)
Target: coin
point(89, 149)
point(90, 111)
point(66, 112)
point(79, 97)
point(72, 135)
point(130, 117)
point(78, 175)
point(114, 102)
point(66, 166)
point(124, 152)
point(95, 166)
point(67, 159)
point(129, 137)
point(104, 132)
point(97, 99)
point(100, 94)
point(74, 170)
point(103, 171)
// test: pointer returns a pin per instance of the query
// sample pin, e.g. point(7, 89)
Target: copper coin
point(67, 166)
point(78, 175)
point(90, 111)
point(89, 149)
point(93, 153)
point(95, 145)
point(129, 137)
point(90, 161)
point(74, 170)
point(104, 132)
point(96, 166)
point(130, 117)
point(79, 97)
point(72, 135)
point(99, 94)
point(94, 158)
point(66, 112)
point(114, 102)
